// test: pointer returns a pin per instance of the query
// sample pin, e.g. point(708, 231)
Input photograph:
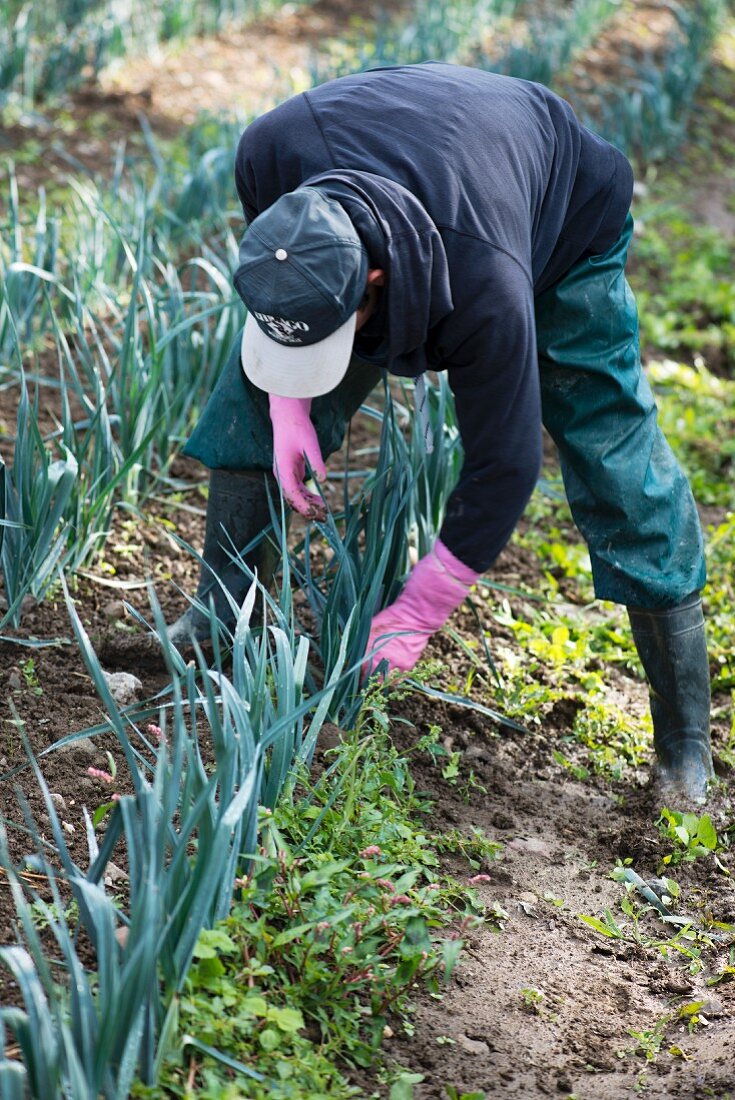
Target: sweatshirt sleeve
point(489, 351)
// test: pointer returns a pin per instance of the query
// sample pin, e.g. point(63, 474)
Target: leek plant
point(443, 31)
point(22, 308)
point(152, 357)
point(2, 503)
point(187, 830)
point(552, 43)
point(206, 190)
point(37, 491)
point(647, 115)
point(436, 462)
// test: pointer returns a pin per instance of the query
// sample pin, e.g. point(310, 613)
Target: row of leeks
point(186, 831)
point(48, 47)
point(125, 345)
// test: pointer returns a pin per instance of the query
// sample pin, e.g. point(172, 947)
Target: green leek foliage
point(647, 114)
point(187, 830)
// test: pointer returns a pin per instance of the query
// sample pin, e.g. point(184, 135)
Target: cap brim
point(306, 371)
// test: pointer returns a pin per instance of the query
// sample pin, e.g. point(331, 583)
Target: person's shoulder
point(271, 122)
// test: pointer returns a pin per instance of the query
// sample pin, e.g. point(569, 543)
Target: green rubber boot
point(673, 651)
point(237, 511)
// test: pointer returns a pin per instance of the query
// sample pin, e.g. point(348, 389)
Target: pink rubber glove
point(435, 588)
point(294, 437)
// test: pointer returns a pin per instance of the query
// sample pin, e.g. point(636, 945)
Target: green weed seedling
point(686, 294)
point(551, 899)
point(532, 1000)
point(401, 1087)
point(43, 916)
point(606, 926)
point(727, 751)
point(693, 837)
point(698, 410)
point(579, 771)
point(479, 850)
point(648, 1041)
point(628, 931)
point(30, 675)
point(108, 779)
point(614, 740)
point(450, 761)
point(693, 1017)
point(727, 972)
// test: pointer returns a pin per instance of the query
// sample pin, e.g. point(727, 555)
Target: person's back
point(495, 158)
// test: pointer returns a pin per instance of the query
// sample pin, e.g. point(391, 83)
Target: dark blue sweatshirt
point(475, 192)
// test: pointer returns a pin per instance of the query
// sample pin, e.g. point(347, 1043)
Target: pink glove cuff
point(295, 409)
point(453, 565)
point(436, 586)
point(432, 592)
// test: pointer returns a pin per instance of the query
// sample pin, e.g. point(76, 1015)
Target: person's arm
point(498, 406)
point(490, 352)
point(245, 192)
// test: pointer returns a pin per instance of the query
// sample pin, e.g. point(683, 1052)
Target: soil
point(561, 840)
point(561, 837)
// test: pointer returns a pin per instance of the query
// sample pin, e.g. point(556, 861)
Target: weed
point(450, 761)
point(693, 836)
point(683, 284)
point(648, 1041)
point(30, 675)
point(478, 849)
point(342, 912)
point(532, 1000)
point(44, 915)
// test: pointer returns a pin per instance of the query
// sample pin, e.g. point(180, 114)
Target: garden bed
point(542, 1002)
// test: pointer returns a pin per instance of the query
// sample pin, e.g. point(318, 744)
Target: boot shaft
point(672, 646)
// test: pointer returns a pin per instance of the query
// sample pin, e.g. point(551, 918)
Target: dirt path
point(245, 71)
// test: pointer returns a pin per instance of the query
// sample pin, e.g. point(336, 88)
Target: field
point(245, 874)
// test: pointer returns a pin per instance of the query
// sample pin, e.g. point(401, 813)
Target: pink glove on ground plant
point(294, 437)
point(436, 587)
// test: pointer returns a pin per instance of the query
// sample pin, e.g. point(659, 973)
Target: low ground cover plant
point(328, 935)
